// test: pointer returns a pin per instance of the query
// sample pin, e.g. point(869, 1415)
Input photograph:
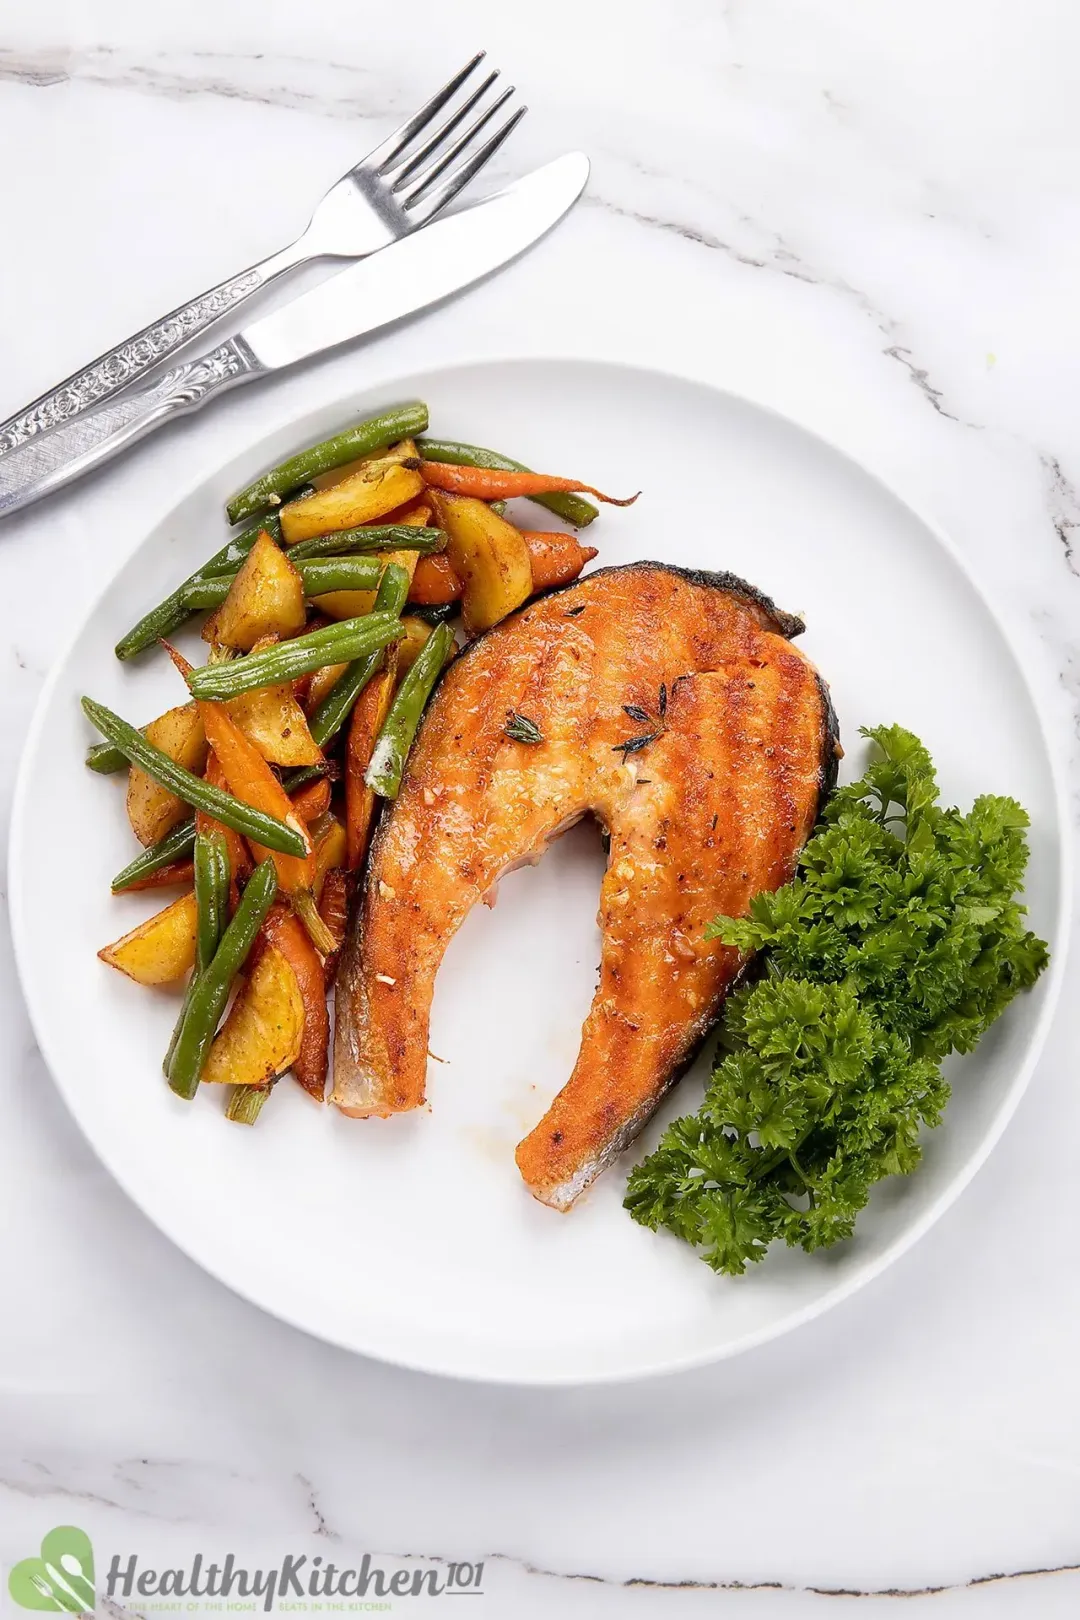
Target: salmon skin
point(671, 706)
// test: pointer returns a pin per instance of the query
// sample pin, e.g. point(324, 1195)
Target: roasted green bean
point(173, 847)
point(334, 644)
point(392, 745)
point(292, 781)
point(211, 992)
point(435, 612)
point(246, 1103)
point(211, 863)
point(212, 876)
point(319, 574)
point(361, 440)
point(242, 818)
point(388, 537)
point(105, 759)
point(168, 615)
point(327, 719)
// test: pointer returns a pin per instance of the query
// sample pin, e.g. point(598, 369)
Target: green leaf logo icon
point(61, 1580)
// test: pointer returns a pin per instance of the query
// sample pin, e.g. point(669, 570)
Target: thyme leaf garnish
point(634, 745)
point(519, 728)
point(636, 712)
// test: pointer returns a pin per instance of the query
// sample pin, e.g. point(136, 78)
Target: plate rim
point(830, 1297)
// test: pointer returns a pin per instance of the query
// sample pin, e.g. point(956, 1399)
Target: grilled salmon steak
point(672, 707)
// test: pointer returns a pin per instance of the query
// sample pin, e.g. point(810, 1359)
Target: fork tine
point(419, 158)
point(395, 143)
point(460, 146)
point(436, 200)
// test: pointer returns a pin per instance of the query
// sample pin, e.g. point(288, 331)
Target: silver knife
point(418, 271)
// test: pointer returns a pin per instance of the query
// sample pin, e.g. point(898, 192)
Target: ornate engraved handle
point(48, 460)
point(139, 354)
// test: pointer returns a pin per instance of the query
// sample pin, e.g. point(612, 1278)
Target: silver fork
point(401, 185)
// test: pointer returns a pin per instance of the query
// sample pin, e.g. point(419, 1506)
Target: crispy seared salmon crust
point(708, 788)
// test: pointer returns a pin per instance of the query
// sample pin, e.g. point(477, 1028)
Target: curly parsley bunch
point(899, 941)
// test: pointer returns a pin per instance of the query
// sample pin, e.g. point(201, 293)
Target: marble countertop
point(867, 217)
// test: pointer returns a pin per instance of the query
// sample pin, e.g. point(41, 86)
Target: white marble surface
point(867, 216)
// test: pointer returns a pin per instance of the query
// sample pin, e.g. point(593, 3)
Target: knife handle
point(137, 356)
point(43, 464)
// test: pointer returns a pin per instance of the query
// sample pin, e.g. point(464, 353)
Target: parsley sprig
point(899, 941)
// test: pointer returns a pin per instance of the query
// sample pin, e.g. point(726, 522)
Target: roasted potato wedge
point(489, 556)
point(160, 949)
point(271, 718)
point(330, 850)
point(417, 632)
point(152, 810)
point(321, 684)
point(346, 604)
point(262, 1034)
point(378, 487)
point(266, 598)
point(414, 514)
point(352, 604)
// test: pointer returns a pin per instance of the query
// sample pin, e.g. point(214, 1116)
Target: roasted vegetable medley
point(330, 618)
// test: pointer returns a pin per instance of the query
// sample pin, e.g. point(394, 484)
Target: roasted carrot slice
point(334, 910)
point(239, 858)
point(334, 904)
point(488, 484)
point(249, 777)
point(435, 581)
point(284, 931)
point(312, 800)
point(555, 558)
point(175, 874)
point(372, 707)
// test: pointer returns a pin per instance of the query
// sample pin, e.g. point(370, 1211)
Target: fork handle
point(132, 359)
point(46, 462)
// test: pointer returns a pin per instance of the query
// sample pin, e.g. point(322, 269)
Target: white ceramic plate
point(413, 1239)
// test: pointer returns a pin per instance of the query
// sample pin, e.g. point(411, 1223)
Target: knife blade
point(420, 270)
